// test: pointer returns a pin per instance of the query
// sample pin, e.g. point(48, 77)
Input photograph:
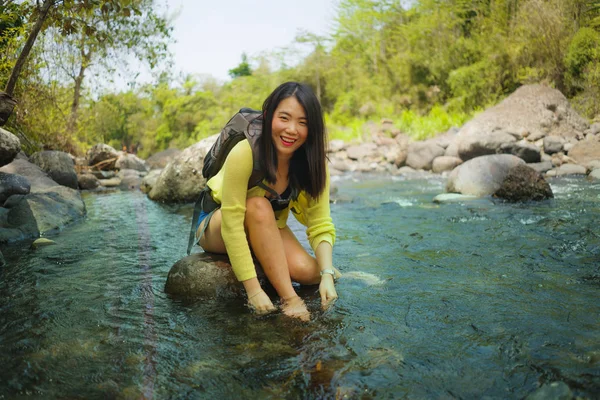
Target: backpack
point(246, 124)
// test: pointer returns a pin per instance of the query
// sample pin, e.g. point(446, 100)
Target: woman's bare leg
point(302, 266)
point(211, 240)
point(267, 244)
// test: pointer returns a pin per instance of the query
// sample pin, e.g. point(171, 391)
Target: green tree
point(243, 69)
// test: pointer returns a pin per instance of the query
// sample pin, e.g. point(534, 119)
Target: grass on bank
point(419, 127)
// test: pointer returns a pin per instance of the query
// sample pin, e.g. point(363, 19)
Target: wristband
point(254, 295)
point(329, 271)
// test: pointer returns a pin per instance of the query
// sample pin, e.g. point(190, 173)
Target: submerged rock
point(453, 198)
point(204, 275)
point(41, 242)
point(523, 183)
point(552, 391)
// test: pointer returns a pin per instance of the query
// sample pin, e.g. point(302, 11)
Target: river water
point(480, 299)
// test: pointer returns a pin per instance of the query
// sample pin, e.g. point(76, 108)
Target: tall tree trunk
point(43, 13)
point(72, 123)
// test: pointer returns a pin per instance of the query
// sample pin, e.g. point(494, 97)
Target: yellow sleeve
point(236, 173)
point(317, 218)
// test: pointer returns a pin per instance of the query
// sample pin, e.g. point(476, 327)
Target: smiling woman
point(250, 216)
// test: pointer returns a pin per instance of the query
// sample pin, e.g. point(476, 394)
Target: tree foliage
point(427, 64)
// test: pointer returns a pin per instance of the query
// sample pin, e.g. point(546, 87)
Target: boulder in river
point(150, 180)
point(12, 184)
point(87, 181)
point(58, 165)
point(181, 180)
point(445, 163)
point(10, 145)
point(130, 161)
point(162, 158)
point(47, 208)
point(204, 275)
point(421, 154)
point(523, 183)
point(102, 156)
point(483, 175)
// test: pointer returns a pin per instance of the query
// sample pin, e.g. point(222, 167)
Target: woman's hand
point(260, 303)
point(327, 291)
point(295, 307)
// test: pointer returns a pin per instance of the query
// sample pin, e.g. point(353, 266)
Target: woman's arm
point(327, 290)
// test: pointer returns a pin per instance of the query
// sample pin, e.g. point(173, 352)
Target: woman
point(291, 150)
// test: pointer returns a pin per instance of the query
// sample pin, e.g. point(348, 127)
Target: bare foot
point(294, 307)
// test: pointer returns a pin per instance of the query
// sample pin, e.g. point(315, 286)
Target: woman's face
point(289, 127)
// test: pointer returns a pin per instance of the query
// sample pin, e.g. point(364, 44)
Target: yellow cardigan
point(230, 189)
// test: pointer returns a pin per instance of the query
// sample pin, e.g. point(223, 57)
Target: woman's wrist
point(330, 271)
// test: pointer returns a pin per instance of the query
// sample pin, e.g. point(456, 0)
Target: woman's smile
point(290, 127)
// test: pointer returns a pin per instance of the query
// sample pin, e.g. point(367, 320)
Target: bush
point(582, 51)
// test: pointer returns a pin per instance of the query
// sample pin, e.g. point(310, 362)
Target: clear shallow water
point(471, 300)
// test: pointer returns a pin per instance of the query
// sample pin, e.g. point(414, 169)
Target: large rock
point(535, 110)
point(568, 169)
point(102, 156)
point(44, 212)
point(527, 151)
point(553, 144)
point(10, 145)
point(481, 144)
point(37, 178)
point(483, 175)
point(422, 154)
point(445, 163)
point(523, 183)
point(131, 161)
point(204, 275)
point(585, 152)
point(150, 180)
point(58, 165)
point(161, 159)
point(361, 151)
point(46, 209)
point(87, 181)
point(12, 184)
point(181, 180)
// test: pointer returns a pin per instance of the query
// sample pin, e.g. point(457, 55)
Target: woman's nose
point(292, 128)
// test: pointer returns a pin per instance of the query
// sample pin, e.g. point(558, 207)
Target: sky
point(211, 35)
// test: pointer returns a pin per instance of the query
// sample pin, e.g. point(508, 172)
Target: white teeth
point(288, 140)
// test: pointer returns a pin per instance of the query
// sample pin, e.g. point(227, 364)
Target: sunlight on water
point(470, 300)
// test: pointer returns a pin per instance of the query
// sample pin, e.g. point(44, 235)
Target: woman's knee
point(304, 270)
point(258, 210)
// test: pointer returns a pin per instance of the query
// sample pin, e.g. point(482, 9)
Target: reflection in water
point(457, 300)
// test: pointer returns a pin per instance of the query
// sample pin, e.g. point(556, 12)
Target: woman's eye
point(303, 123)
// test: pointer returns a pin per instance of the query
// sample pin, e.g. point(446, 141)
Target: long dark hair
point(307, 166)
